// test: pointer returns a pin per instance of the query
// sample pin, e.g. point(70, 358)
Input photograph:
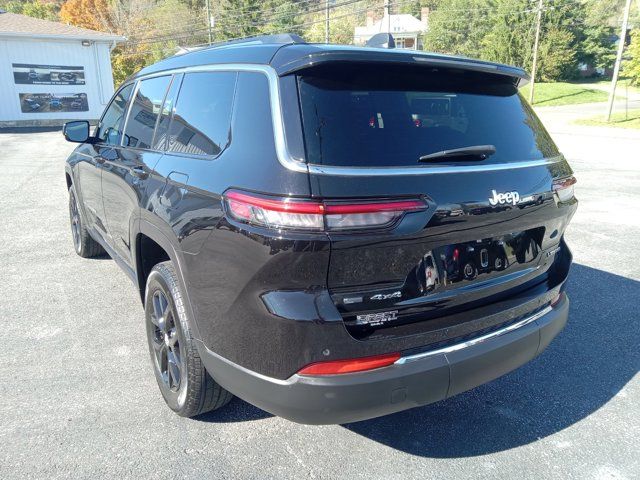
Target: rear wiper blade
point(479, 151)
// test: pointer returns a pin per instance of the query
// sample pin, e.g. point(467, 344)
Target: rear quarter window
point(201, 122)
point(377, 117)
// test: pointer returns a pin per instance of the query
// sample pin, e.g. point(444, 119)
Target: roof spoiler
point(288, 61)
point(381, 40)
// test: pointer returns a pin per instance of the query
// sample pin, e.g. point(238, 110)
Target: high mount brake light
point(564, 188)
point(273, 212)
point(336, 367)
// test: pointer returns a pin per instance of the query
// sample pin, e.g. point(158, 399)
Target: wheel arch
point(153, 246)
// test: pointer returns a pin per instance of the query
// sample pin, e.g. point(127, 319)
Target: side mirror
point(77, 132)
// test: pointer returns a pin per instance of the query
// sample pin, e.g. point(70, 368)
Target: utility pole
point(326, 21)
point(616, 68)
point(535, 52)
point(208, 5)
point(388, 14)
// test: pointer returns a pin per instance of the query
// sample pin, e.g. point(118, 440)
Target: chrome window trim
point(132, 98)
point(475, 341)
point(428, 170)
point(284, 157)
point(298, 165)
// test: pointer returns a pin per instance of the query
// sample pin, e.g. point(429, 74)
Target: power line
point(264, 22)
point(304, 24)
point(275, 16)
point(202, 18)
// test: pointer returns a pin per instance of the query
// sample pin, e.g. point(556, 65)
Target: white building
point(406, 29)
point(51, 72)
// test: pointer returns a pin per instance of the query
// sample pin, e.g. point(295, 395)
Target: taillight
point(275, 213)
point(291, 213)
point(564, 188)
point(336, 367)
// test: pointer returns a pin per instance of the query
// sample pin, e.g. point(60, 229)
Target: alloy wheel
point(165, 341)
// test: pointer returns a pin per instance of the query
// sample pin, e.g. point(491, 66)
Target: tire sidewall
point(73, 198)
point(157, 281)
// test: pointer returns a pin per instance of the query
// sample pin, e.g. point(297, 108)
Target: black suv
point(331, 233)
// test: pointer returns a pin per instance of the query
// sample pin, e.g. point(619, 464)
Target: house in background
point(406, 29)
point(51, 72)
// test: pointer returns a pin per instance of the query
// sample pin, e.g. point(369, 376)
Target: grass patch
point(624, 84)
point(618, 119)
point(564, 93)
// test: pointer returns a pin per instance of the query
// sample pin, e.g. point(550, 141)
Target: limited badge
point(376, 319)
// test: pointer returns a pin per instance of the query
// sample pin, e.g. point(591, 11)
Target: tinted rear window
point(201, 121)
point(390, 117)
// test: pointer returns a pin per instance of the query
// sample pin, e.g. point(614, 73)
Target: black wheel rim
point(165, 342)
point(75, 222)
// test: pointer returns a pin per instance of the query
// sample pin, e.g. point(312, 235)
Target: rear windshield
point(380, 116)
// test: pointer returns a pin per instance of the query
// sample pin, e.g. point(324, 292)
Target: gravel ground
point(78, 398)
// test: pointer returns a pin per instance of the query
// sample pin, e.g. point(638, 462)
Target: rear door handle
point(139, 172)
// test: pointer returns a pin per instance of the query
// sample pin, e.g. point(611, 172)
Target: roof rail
point(276, 39)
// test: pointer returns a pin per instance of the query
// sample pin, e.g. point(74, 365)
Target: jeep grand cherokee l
point(331, 233)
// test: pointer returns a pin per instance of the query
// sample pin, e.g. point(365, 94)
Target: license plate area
point(454, 265)
point(447, 281)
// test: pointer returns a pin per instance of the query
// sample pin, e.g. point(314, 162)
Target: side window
point(160, 139)
point(144, 112)
point(110, 127)
point(202, 119)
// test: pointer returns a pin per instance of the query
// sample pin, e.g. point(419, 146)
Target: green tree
point(631, 68)
point(600, 28)
point(342, 26)
point(562, 30)
point(415, 7)
point(509, 33)
point(503, 31)
point(33, 8)
point(239, 18)
point(283, 16)
point(557, 54)
point(458, 27)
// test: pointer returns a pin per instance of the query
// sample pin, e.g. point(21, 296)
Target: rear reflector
point(564, 188)
point(336, 367)
point(274, 212)
point(556, 300)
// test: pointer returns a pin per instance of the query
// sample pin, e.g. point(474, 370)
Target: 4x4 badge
point(386, 296)
point(502, 198)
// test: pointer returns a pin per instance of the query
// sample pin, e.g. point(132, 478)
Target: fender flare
point(172, 248)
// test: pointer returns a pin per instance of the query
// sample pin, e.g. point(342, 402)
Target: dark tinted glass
point(160, 139)
point(144, 112)
point(202, 119)
point(110, 127)
point(387, 117)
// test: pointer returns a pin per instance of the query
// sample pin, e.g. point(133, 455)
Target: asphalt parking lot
point(79, 400)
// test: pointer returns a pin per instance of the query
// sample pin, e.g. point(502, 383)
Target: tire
point(83, 243)
point(186, 386)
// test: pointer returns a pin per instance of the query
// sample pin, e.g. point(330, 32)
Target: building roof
point(16, 25)
point(402, 23)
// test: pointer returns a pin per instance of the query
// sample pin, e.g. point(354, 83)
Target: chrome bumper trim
point(475, 341)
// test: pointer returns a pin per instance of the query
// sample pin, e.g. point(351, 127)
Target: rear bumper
point(414, 380)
